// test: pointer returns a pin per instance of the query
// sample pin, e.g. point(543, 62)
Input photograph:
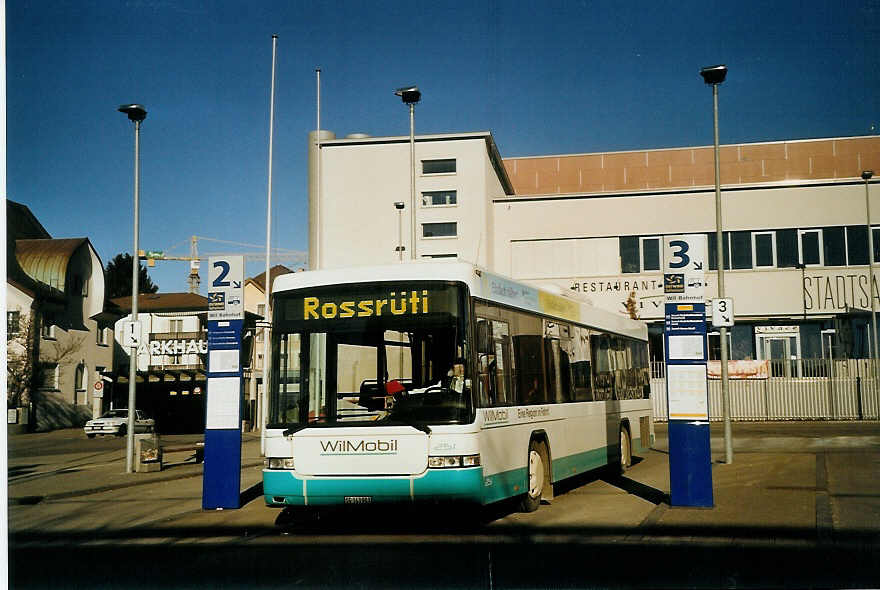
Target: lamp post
point(866, 176)
point(715, 75)
point(410, 95)
point(136, 113)
point(399, 206)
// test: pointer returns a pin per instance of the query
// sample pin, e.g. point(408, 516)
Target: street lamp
point(410, 95)
point(866, 176)
point(136, 113)
point(399, 206)
point(715, 75)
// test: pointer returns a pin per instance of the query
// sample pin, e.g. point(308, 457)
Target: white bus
point(441, 381)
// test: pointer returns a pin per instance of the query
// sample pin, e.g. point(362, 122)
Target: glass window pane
point(875, 238)
point(834, 245)
point(786, 248)
point(810, 247)
point(651, 253)
point(438, 166)
point(629, 254)
point(857, 244)
point(439, 230)
point(713, 250)
point(439, 198)
point(742, 249)
point(764, 250)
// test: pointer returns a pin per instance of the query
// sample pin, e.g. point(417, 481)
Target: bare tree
point(22, 369)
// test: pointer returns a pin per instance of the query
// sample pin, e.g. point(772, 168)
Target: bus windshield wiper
point(294, 429)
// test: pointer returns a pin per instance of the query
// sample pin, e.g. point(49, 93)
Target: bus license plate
point(357, 499)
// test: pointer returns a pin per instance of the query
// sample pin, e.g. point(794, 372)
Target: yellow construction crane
point(194, 258)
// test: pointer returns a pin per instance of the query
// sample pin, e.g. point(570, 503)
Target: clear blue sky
point(544, 78)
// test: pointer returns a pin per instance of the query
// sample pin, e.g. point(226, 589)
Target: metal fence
point(803, 389)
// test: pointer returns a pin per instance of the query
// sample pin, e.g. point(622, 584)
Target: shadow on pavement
point(334, 556)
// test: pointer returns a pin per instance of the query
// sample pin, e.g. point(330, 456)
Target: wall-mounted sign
point(178, 346)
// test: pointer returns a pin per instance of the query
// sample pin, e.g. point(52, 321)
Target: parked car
point(116, 422)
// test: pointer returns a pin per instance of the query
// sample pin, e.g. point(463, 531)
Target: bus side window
point(484, 359)
point(582, 379)
point(603, 370)
point(499, 368)
point(530, 371)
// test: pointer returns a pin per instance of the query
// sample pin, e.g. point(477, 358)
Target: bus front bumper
point(285, 488)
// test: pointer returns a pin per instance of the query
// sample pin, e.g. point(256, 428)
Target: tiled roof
point(274, 272)
point(148, 302)
point(747, 163)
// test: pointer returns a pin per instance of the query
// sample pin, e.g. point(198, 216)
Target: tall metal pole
point(725, 392)
point(135, 265)
point(412, 177)
point(318, 174)
point(866, 175)
point(267, 322)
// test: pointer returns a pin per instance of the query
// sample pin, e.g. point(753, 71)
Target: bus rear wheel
point(536, 475)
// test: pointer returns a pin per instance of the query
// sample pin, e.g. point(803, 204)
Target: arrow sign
point(722, 313)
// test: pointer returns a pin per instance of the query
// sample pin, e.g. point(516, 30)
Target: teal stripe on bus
point(441, 484)
point(504, 485)
point(564, 467)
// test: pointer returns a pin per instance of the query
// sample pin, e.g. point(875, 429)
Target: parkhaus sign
point(176, 346)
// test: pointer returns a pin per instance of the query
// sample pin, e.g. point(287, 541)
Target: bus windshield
point(374, 354)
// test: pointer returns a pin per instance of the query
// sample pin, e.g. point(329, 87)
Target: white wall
point(362, 182)
point(533, 241)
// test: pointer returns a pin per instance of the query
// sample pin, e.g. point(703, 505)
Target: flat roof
point(486, 136)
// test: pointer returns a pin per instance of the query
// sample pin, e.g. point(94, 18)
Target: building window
point(48, 376)
point(810, 247)
point(261, 309)
point(764, 249)
point(439, 198)
point(713, 250)
point(834, 245)
point(440, 230)
point(176, 325)
point(79, 378)
point(13, 324)
point(48, 332)
point(438, 166)
point(856, 245)
point(875, 240)
point(650, 253)
point(787, 248)
point(629, 254)
point(741, 249)
point(101, 336)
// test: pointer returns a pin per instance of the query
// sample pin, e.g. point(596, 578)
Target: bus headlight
point(279, 463)
point(448, 462)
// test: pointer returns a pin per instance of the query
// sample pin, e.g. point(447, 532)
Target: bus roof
point(481, 283)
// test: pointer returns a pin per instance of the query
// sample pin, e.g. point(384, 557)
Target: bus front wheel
point(536, 467)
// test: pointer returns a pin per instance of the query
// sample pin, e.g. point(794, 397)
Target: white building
point(794, 216)
point(171, 359)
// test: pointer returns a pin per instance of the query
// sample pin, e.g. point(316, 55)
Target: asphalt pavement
point(798, 507)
